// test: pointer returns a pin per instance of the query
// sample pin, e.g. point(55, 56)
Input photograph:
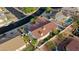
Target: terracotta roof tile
point(73, 45)
point(42, 31)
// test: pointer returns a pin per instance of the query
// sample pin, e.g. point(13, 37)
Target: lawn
point(29, 9)
point(29, 47)
point(34, 41)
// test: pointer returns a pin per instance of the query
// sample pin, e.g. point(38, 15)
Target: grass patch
point(34, 41)
point(28, 48)
point(29, 9)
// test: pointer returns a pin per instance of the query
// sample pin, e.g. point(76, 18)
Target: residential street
point(21, 22)
point(17, 13)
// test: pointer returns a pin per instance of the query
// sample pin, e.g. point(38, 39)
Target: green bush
point(34, 41)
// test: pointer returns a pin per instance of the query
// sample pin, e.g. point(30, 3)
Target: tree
point(27, 40)
point(48, 10)
point(50, 45)
point(33, 20)
point(34, 42)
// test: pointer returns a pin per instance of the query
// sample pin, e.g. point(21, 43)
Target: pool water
point(68, 21)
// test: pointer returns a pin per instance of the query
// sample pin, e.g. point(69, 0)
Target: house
point(3, 19)
point(63, 20)
point(6, 17)
point(73, 45)
point(52, 13)
point(43, 31)
point(70, 11)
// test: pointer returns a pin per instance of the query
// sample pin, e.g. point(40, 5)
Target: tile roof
point(40, 21)
point(42, 31)
point(73, 45)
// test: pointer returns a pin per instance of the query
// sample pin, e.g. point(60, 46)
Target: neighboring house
point(70, 11)
point(3, 19)
point(63, 20)
point(73, 45)
point(6, 17)
point(60, 18)
point(50, 14)
point(47, 15)
point(68, 21)
point(40, 21)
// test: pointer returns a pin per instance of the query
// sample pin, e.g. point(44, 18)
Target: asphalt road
point(22, 22)
point(17, 13)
